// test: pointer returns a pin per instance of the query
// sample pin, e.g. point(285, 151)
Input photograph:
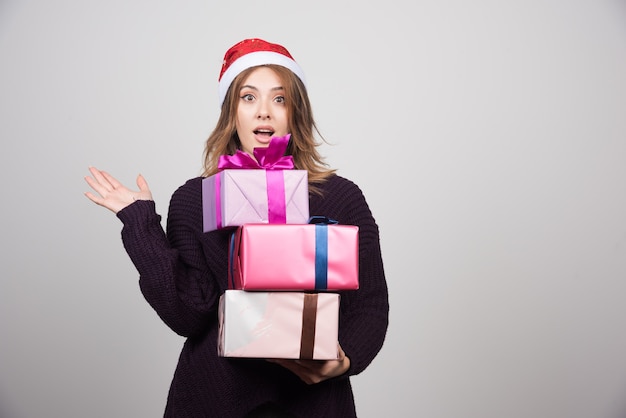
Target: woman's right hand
point(112, 194)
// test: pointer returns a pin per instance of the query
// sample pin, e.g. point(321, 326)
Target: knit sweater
point(182, 274)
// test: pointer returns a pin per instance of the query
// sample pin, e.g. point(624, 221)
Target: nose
point(262, 115)
point(263, 111)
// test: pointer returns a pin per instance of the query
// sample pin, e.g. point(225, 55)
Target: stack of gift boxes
point(285, 267)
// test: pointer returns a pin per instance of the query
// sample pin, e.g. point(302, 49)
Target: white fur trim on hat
point(252, 60)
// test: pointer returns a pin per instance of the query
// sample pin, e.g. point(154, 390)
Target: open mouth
point(264, 132)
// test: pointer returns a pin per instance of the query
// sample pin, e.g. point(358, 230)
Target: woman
point(183, 271)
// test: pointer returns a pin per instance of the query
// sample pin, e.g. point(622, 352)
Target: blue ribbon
point(321, 256)
point(321, 250)
point(317, 219)
point(231, 259)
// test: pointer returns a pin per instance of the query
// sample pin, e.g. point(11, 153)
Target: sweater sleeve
point(173, 273)
point(363, 312)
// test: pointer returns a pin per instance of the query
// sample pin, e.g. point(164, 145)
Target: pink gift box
point(294, 257)
point(287, 325)
point(234, 197)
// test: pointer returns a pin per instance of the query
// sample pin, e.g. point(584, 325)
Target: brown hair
point(303, 144)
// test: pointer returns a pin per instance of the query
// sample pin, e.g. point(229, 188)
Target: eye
point(279, 99)
point(247, 97)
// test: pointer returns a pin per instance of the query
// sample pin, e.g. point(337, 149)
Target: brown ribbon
point(309, 314)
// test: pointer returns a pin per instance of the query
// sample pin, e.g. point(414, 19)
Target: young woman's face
point(261, 110)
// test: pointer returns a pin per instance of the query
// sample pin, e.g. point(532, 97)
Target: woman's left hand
point(315, 371)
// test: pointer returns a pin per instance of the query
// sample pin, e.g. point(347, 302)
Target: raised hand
point(112, 194)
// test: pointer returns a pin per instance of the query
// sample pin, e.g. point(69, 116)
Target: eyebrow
point(254, 88)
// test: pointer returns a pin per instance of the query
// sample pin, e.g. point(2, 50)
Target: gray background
point(488, 136)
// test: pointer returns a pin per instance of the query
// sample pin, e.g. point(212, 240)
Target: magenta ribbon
point(271, 159)
point(218, 200)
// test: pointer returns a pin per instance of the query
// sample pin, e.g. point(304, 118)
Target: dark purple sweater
point(182, 274)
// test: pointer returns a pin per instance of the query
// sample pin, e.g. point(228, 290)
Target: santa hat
point(250, 53)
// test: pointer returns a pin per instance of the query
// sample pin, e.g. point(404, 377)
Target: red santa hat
point(250, 53)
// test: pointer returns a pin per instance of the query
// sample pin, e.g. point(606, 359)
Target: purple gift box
point(235, 197)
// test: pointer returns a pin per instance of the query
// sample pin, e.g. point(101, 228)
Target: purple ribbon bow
point(271, 159)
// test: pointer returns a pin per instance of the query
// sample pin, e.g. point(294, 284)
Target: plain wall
point(489, 138)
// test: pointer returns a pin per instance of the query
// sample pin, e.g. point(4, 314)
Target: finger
point(290, 365)
point(112, 180)
point(99, 178)
point(304, 364)
point(312, 365)
point(342, 354)
point(97, 200)
point(101, 202)
point(142, 184)
point(97, 186)
point(97, 174)
point(307, 376)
